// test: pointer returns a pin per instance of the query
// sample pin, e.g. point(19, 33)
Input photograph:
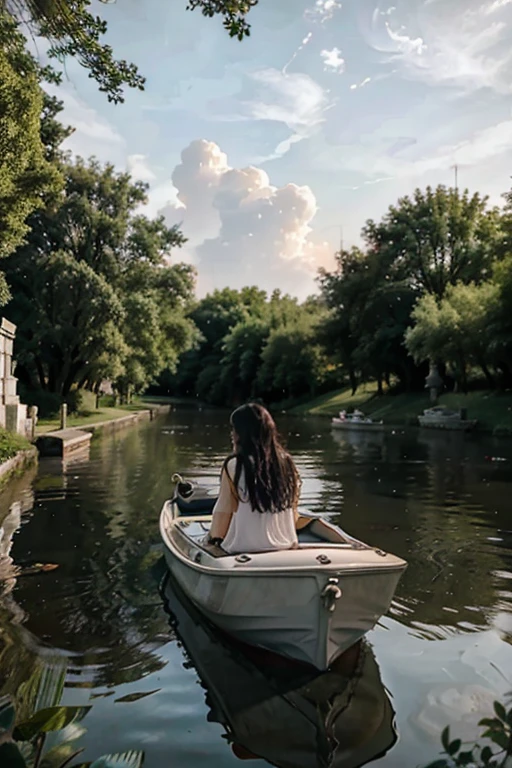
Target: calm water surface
point(444, 652)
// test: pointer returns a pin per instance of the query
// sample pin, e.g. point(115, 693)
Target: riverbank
point(493, 410)
point(103, 417)
point(16, 454)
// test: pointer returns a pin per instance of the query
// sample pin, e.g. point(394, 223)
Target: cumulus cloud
point(451, 44)
point(245, 230)
point(333, 60)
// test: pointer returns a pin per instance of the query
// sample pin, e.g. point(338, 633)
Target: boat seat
point(308, 536)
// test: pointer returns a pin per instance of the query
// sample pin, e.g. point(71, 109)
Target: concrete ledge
point(63, 442)
point(21, 461)
point(112, 425)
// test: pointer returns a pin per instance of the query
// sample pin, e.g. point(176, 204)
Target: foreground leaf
point(135, 696)
point(10, 756)
point(133, 759)
point(46, 720)
point(7, 715)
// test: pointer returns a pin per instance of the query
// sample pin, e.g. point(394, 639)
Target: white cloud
point(443, 43)
point(93, 134)
point(473, 152)
point(362, 84)
point(245, 229)
point(322, 11)
point(333, 60)
point(496, 6)
point(293, 99)
point(139, 169)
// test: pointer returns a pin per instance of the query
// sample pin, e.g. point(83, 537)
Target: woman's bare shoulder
point(230, 466)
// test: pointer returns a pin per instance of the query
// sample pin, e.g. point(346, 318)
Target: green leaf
point(10, 756)
point(135, 696)
point(465, 758)
point(46, 720)
point(500, 711)
point(439, 764)
point(445, 739)
point(60, 756)
point(491, 723)
point(454, 747)
point(500, 738)
point(7, 715)
point(132, 759)
point(486, 755)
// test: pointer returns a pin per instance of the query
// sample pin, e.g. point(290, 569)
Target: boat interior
point(312, 531)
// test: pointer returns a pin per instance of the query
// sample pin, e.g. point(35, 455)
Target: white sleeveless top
point(253, 531)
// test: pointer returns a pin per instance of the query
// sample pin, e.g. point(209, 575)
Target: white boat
point(310, 603)
point(443, 418)
point(287, 714)
point(356, 421)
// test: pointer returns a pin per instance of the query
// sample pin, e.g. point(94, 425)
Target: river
point(441, 501)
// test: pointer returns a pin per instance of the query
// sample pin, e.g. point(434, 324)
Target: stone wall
point(13, 415)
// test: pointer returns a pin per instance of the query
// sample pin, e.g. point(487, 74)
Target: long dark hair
point(271, 478)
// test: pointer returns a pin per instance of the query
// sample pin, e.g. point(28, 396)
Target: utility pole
point(456, 169)
point(341, 239)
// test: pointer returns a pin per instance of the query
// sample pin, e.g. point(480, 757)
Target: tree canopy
point(27, 177)
point(93, 293)
point(73, 30)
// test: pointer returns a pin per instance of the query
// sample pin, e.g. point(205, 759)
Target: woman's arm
point(224, 508)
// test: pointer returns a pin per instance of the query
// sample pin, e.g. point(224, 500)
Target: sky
point(270, 151)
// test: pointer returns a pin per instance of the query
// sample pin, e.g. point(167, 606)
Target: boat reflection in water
point(281, 711)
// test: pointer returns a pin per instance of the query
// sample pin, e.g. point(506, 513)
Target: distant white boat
point(310, 603)
point(443, 418)
point(356, 421)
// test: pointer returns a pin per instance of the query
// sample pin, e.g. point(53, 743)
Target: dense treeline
point(432, 284)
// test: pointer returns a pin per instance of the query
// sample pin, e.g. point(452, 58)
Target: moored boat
point(444, 418)
point(356, 421)
point(310, 603)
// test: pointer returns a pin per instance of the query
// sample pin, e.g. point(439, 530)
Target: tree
point(292, 364)
point(436, 239)
point(241, 359)
point(27, 178)
point(93, 293)
point(233, 14)
point(345, 292)
point(214, 316)
point(74, 31)
point(455, 329)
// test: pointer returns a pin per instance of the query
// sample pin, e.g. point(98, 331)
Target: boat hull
point(357, 426)
point(457, 425)
point(283, 610)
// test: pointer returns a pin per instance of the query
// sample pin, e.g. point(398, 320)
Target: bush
point(10, 444)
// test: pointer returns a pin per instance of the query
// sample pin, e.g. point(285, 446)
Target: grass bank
point(11, 444)
point(86, 418)
point(492, 409)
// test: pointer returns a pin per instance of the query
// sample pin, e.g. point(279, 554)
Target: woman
point(259, 488)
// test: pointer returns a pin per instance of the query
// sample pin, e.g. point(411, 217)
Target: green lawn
point(89, 417)
point(490, 408)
